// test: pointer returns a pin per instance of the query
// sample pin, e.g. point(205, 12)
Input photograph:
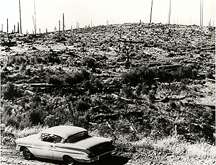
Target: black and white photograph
point(107, 82)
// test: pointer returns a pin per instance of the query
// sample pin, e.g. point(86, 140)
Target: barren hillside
point(129, 81)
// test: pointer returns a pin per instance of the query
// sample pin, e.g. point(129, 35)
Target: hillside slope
point(128, 81)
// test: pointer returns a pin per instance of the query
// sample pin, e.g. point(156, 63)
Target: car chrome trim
point(71, 148)
point(66, 152)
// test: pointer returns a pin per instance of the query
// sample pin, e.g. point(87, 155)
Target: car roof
point(63, 130)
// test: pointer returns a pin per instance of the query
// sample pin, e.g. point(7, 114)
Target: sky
point(48, 12)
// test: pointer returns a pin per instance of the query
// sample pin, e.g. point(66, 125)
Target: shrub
point(161, 126)
point(131, 77)
point(104, 130)
point(51, 120)
point(24, 123)
point(112, 85)
point(82, 106)
point(90, 62)
point(35, 117)
point(55, 80)
point(12, 122)
point(127, 91)
point(81, 76)
point(11, 91)
point(77, 77)
point(144, 74)
point(53, 58)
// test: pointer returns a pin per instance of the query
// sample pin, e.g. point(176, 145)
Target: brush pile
point(131, 79)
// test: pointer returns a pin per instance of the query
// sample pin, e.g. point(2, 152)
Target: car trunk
point(101, 148)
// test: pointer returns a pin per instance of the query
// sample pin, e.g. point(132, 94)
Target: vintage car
point(65, 143)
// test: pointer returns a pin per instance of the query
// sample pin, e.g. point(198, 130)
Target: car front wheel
point(27, 154)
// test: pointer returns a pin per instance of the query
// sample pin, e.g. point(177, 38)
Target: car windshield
point(50, 138)
point(77, 137)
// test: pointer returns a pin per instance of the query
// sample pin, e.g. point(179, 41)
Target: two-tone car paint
point(79, 150)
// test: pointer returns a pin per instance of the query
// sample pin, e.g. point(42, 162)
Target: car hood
point(28, 139)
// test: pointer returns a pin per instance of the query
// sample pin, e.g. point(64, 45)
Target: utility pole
point(170, 10)
point(151, 11)
point(20, 17)
point(2, 27)
point(201, 13)
point(63, 23)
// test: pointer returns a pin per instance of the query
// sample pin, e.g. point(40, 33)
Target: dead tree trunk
point(151, 11)
point(71, 29)
point(59, 26)
point(18, 27)
point(7, 25)
point(77, 25)
point(170, 10)
point(35, 20)
point(201, 12)
point(20, 17)
point(63, 23)
point(14, 30)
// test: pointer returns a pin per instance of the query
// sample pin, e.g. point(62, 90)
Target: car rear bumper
point(96, 158)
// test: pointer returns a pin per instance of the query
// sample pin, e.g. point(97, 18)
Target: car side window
point(77, 137)
point(50, 138)
point(70, 139)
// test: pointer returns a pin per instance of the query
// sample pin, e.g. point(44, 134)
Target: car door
point(44, 147)
point(57, 153)
point(67, 147)
point(59, 150)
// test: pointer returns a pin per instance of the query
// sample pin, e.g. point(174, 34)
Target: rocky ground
point(142, 157)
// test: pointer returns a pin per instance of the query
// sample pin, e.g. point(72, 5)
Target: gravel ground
point(10, 156)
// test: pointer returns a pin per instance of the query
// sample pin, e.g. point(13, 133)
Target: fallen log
point(212, 106)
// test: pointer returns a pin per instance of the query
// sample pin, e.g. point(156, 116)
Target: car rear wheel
point(69, 161)
point(27, 154)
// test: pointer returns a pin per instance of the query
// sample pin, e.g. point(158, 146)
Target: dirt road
point(9, 155)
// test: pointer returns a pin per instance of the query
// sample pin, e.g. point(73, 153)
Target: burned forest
point(125, 81)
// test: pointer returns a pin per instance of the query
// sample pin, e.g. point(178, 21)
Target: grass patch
point(18, 133)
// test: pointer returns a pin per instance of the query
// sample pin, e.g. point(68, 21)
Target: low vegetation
point(148, 88)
